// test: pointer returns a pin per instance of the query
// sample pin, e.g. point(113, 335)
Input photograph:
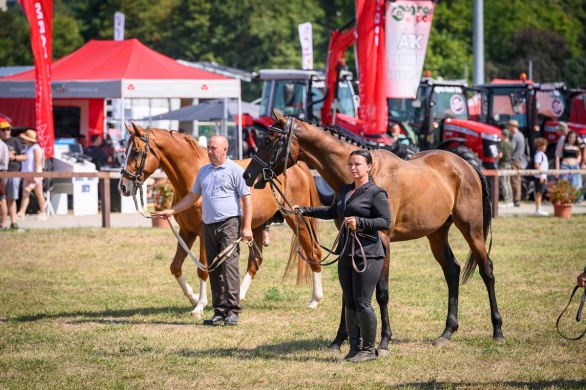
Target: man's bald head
point(218, 149)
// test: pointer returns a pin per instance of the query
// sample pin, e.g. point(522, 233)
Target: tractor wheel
point(403, 151)
point(467, 155)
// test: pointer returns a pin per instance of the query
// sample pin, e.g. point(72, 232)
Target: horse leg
point(342, 334)
point(312, 252)
point(251, 270)
point(265, 233)
point(176, 266)
point(382, 297)
point(485, 267)
point(197, 312)
point(442, 252)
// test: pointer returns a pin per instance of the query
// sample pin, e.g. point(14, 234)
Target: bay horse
point(427, 194)
point(180, 157)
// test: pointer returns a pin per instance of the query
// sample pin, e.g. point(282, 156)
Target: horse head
point(141, 160)
point(277, 150)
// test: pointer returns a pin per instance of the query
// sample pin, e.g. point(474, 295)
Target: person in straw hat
point(33, 163)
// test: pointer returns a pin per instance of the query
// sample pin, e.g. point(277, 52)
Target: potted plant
point(562, 196)
point(162, 194)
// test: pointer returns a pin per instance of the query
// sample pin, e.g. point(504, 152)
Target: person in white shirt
point(540, 181)
point(33, 163)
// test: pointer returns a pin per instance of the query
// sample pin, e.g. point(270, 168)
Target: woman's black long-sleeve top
point(369, 205)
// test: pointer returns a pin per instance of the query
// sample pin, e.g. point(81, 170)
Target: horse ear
point(129, 129)
point(278, 115)
point(136, 128)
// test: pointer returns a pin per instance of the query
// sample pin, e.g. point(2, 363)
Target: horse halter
point(137, 178)
point(281, 150)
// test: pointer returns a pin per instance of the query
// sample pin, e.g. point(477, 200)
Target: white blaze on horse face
point(128, 150)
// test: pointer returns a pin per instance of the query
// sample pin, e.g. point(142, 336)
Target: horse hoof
point(441, 342)
point(196, 314)
point(334, 349)
point(312, 305)
point(499, 340)
point(382, 352)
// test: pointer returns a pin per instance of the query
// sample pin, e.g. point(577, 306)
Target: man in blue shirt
point(221, 188)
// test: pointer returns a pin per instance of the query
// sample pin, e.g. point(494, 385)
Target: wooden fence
point(105, 176)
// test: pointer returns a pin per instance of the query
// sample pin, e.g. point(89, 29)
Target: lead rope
point(578, 315)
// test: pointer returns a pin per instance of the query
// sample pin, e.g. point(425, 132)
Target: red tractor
point(438, 118)
point(302, 93)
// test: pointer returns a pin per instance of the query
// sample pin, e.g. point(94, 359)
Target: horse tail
point(486, 225)
point(303, 268)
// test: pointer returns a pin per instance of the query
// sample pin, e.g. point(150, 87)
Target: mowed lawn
point(98, 308)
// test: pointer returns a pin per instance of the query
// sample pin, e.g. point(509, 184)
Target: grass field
point(98, 308)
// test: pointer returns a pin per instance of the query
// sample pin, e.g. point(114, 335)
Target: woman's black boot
point(367, 320)
point(353, 328)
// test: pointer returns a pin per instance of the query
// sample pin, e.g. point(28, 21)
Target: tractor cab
point(438, 118)
point(536, 107)
point(301, 93)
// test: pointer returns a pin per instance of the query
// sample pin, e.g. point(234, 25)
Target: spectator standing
point(4, 158)
point(562, 131)
point(97, 152)
point(33, 163)
point(12, 184)
point(221, 186)
point(519, 158)
point(506, 162)
point(541, 163)
point(568, 156)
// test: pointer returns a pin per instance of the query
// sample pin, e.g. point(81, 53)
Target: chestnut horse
point(427, 194)
point(180, 157)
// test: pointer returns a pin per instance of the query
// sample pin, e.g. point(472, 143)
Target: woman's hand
point(351, 222)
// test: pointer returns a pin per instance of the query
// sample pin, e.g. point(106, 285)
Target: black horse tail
point(486, 225)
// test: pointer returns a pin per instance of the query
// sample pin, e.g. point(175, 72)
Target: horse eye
point(136, 152)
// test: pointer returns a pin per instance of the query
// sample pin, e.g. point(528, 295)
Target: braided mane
point(341, 136)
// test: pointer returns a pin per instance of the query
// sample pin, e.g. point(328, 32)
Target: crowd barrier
point(106, 176)
point(104, 187)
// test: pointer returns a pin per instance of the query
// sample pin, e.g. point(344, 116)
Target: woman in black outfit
point(364, 207)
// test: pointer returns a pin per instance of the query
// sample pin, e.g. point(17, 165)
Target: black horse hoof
point(382, 352)
point(334, 349)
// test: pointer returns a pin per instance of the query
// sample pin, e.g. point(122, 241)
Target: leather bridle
point(137, 178)
point(282, 151)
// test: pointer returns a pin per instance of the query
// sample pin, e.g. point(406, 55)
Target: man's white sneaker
point(541, 212)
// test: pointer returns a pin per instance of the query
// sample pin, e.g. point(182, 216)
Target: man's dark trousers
point(225, 280)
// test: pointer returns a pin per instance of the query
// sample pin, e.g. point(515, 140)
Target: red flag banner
point(407, 28)
point(370, 58)
point(40, 18)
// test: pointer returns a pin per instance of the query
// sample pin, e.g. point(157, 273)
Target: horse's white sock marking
point(317, 293)
point(245, 285)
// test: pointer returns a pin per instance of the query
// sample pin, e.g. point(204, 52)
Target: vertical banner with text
point(119, 21)
point(370, 60)
point(408, 24)
point(40, 17)
point(306, 38)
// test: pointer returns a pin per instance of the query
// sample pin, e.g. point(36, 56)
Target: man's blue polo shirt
point(221, 188)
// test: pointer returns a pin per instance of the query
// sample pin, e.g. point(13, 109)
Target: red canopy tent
point(111, 69)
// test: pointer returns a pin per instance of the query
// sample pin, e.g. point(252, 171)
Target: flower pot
point(562, 210)
point(159, 223)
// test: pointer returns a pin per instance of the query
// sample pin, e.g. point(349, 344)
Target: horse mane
point(200, 151)
point(194, 145)
point(341, 136)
